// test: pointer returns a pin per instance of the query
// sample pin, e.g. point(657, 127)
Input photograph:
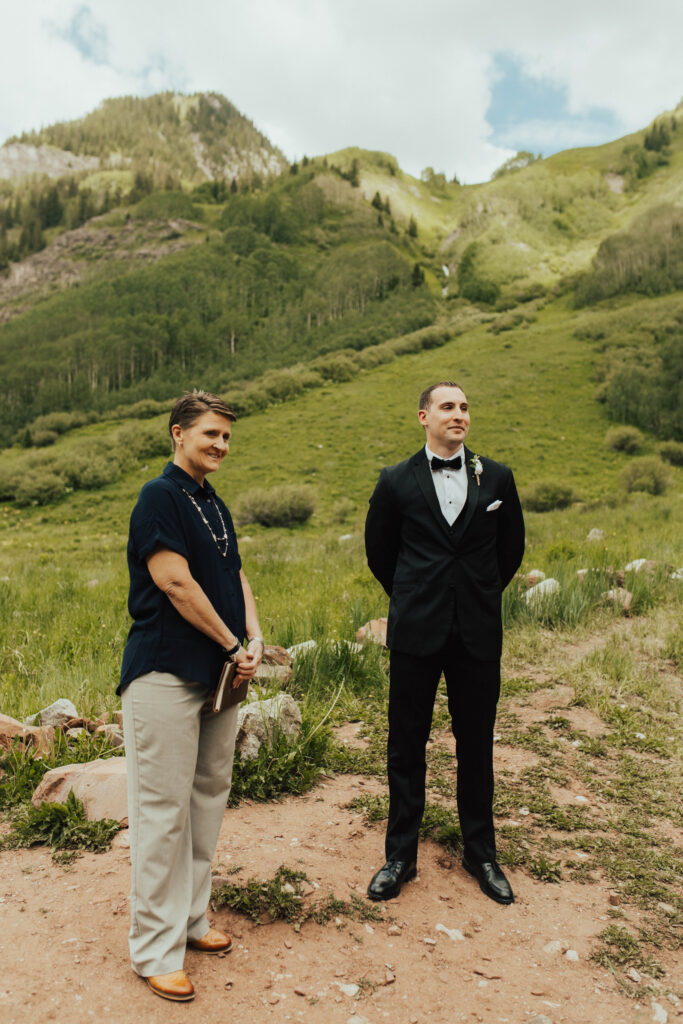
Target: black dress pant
point(473, 689)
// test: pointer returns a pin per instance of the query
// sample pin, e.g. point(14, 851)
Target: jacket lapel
point(423, 475)
point(463, 520)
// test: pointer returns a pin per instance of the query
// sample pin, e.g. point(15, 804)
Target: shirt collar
point(183, 479)
point(459, 454)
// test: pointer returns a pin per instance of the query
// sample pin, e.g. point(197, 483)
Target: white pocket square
point(494, 505)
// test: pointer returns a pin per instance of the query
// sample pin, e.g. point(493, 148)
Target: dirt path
point(64, 952)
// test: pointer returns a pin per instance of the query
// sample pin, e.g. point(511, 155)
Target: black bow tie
point(437, 464)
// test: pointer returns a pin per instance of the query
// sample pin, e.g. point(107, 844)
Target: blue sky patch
point(528, 113)
point(87, 35)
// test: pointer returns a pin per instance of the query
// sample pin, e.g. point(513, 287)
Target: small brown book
point(226, 694)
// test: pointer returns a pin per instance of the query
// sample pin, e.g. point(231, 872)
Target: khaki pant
point(179, 758)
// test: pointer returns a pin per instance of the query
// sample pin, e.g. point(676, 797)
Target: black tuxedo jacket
point(435, 574)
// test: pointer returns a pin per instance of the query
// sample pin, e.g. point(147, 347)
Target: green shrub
point(163, 205)
point(282, 506)
point(624, 439)
point(647, 474)
point(283, 766)
point(544, 496)
point(672, 452)
point(43, 438)
point(39, 487)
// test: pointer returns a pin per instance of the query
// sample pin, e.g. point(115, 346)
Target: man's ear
point(422, 416)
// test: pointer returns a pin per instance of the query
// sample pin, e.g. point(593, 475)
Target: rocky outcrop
point(38, 736)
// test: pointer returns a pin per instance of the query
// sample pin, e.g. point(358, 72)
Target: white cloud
point(318, 75)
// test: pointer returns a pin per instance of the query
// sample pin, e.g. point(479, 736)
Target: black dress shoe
point(491, 880)
point(386, 884)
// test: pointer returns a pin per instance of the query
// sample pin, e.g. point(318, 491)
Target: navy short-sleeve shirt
point(160, 639)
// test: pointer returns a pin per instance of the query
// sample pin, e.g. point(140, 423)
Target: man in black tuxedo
point(444, 536)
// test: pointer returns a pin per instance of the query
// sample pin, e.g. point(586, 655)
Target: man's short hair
point(426, 396)
point(193, 404)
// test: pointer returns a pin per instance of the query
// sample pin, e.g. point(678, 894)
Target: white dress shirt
point(450, 485)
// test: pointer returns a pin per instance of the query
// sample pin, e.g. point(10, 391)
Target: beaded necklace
point(220, 542)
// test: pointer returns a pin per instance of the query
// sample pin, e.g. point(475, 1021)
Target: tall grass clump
point(281, 506)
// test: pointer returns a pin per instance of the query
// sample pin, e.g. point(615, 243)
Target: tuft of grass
point(283, 766)
point(438, 823)
point(544, 869)
point(62, 827)
point(281, 898)
point(621, 949)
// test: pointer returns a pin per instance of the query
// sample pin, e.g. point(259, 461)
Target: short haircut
point(426, 396)
point(193, 404)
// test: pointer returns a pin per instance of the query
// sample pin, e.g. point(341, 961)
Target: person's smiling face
point(201, 447)
point(446, 420)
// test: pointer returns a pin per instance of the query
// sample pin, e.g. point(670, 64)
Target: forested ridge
point(276, 265)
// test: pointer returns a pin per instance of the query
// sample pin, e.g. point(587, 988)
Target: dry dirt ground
point(442, 952)
point(64, 951)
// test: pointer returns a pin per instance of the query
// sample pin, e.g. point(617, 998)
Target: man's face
point(446, 420)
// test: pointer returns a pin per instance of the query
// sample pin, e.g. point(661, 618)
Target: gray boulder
point(59, 713)
point(258, 721)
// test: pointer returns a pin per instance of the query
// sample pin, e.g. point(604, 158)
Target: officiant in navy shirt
point(192, 608)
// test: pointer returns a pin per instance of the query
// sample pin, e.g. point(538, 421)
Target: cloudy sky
point(457, 85)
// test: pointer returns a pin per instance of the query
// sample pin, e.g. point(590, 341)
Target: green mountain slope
point(218, 284)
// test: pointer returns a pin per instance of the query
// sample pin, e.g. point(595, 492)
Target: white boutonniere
point(476, 467)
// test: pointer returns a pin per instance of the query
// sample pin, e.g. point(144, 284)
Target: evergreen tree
point(418, 276)
point(377, 201)
point(354, 173)
point(412, 227)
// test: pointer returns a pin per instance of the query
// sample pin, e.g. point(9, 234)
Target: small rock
point(76, 732)
point(619, 597)
point(273, 999)
point(535, 576)
point(636, 565)
point(374, 631)
point(258, 721)
point(581, 799)
point(58, 713)
point(572, 955)
point(369, 929)
point(356, 1019)
point(429, 942)
point(452, 933)
point(595, 534)
point(345, 536)
point(112, 732)
point(393, 929)
point(277, 674)
point(537, 992)
point(274, 655)
point(667, 908)
point(349, 990)
point(299, 991)
point(677, 574)
point(659, 1014)
point(389, 977)
point(541, 590)
point(288, 944)
point(305, 645)
point(121, 840)
point(556, 946)
point(614, 899)
point(540, 1018)
point(524, 811)
point(633, 974)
